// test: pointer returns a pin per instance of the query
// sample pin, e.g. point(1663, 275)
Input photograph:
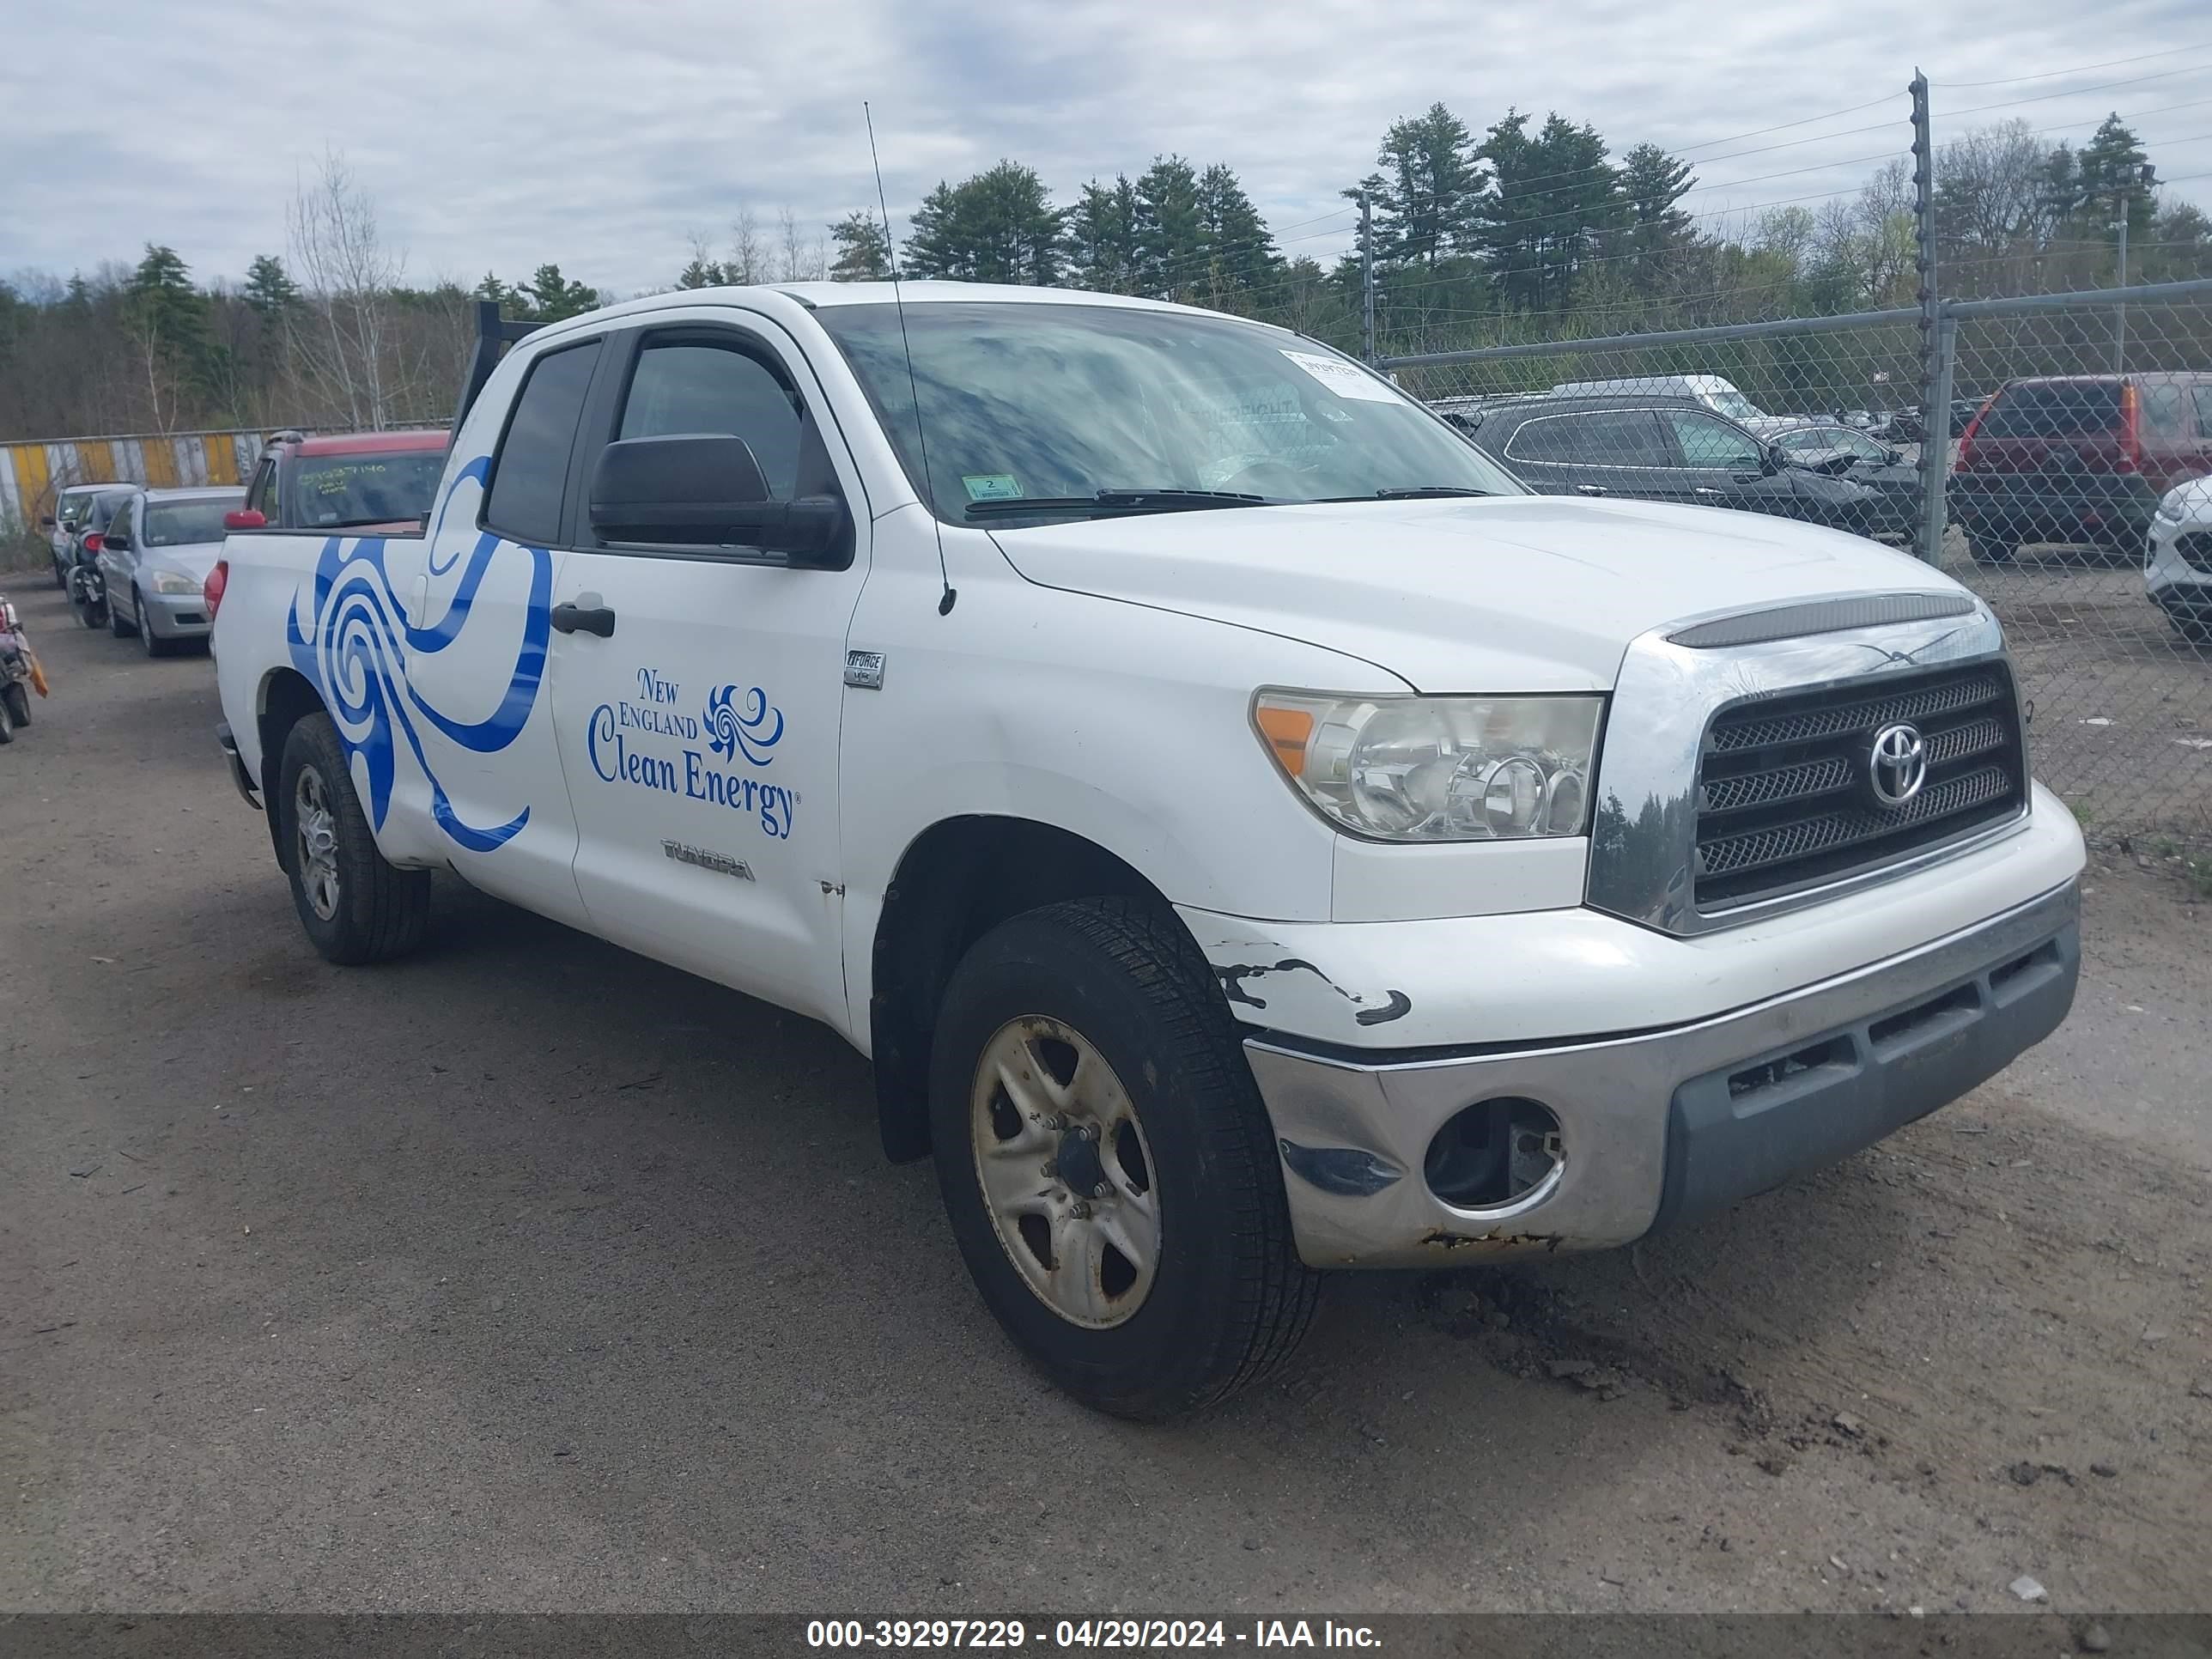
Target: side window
point(2163, 409)
point(261, 494)
point(1708, 440)
point(531, 471)
point(685, 385)
point(1622, 437)
point(2201, 394)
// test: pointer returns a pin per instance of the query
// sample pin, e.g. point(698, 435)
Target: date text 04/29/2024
point(1125, 1634)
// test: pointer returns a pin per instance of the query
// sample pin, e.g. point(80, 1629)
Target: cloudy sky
point(603, 135)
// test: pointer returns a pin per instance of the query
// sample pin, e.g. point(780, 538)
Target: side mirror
point(244, 518)
point(1773, 460)
point(118, 539)
point(706, 489)
point(47, 521)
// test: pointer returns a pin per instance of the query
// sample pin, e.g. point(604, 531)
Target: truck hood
point(1509, 593)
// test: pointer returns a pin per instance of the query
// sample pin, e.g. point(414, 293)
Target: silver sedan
point(158, 551)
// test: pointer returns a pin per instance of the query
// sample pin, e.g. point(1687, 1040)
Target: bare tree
point(748, 260)
point(340, 335)
point(799, 261)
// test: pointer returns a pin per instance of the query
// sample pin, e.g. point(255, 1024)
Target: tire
point(149, 641)
point(6, 725)
point(117, 627)
point(1225, 1297)
point(2197, 630)
point(16, 699)
point(356, 907)
point(61, 575)
point(1987, 549)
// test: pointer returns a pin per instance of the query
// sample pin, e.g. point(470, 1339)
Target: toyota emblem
point(1897, 766)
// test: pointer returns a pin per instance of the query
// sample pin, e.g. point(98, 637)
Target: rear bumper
point(2028, 506)
point(1660, 1127)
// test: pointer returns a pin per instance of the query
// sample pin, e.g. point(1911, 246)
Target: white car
point(155, 557)
point(2179, 572)
point(1249, 832)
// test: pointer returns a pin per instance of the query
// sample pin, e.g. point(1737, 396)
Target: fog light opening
point(1494, 1154)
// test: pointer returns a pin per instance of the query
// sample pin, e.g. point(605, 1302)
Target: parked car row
point(2098, 460)
point(133, 559)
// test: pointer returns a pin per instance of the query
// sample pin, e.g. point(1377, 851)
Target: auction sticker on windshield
point(991, 486)
point(1342, 378)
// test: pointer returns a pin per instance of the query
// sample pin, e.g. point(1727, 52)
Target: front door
point(698, 689)
point(1718, 463)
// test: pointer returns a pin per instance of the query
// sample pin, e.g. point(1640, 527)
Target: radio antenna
point(921, 433)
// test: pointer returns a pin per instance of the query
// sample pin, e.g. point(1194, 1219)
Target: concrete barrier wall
point(30, 472)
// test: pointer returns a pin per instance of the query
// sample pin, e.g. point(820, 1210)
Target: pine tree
point(2109, 179)
point(1104, 251)
point(998, 226)
point(1171, 236)
point(553, 297)
point(863, 253)
point(1431, 189)
point(270, 289)
point(1241, 255)
point(1654, 229)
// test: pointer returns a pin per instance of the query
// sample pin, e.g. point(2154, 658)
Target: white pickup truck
point(1251, 833)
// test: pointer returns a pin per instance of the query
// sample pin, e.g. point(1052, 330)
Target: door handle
point(1702, 489)
point(568, 619)
point(1590, 489)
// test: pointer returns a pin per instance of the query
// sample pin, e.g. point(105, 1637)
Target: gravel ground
point(529, 1274)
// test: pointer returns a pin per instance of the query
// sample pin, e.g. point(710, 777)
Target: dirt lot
point(530, 1274)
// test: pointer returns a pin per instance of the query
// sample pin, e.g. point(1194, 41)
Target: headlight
point(1437, 768)
point(2169, 508)
point(173, 581)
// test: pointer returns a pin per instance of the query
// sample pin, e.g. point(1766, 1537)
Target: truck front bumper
point(1659, 1126)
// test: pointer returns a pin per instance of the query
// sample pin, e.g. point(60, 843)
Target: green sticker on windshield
point(991, 486)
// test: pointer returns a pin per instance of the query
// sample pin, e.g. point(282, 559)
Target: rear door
point(477, 592)
point(1602, 452)
point(699, 730)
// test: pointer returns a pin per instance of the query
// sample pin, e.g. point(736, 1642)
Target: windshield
point(1059, 402)
point(329, 490)
point(180, 524)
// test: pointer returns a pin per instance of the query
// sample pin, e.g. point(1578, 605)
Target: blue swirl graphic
point(354, 648)
point(750, 734)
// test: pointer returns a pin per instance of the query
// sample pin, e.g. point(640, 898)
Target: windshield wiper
point(1415, 493)
point(1115, 501)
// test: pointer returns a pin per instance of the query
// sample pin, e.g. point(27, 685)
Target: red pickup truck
point(359, 482)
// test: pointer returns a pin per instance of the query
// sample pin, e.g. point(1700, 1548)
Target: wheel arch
point(283, 699)
point(956, 881)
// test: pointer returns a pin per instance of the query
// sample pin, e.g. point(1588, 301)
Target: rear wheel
point(15, 698)
point(1988, 550)
point(1106, 1164)
point(7, 723)
point(356, 908)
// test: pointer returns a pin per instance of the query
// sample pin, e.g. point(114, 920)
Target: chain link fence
point(2036, 482)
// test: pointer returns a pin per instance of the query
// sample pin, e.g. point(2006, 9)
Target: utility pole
point(1936, 341)
point(1366, 277)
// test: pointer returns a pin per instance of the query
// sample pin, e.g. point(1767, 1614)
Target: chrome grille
point(1783, 800)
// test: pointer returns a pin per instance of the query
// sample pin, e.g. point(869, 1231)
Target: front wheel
point(7, 723)
point(1106, 1164)
point(356, 907)
point(15, 698)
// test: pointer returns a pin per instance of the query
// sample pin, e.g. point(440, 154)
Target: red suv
point(360, 481)
point(2078, 458)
